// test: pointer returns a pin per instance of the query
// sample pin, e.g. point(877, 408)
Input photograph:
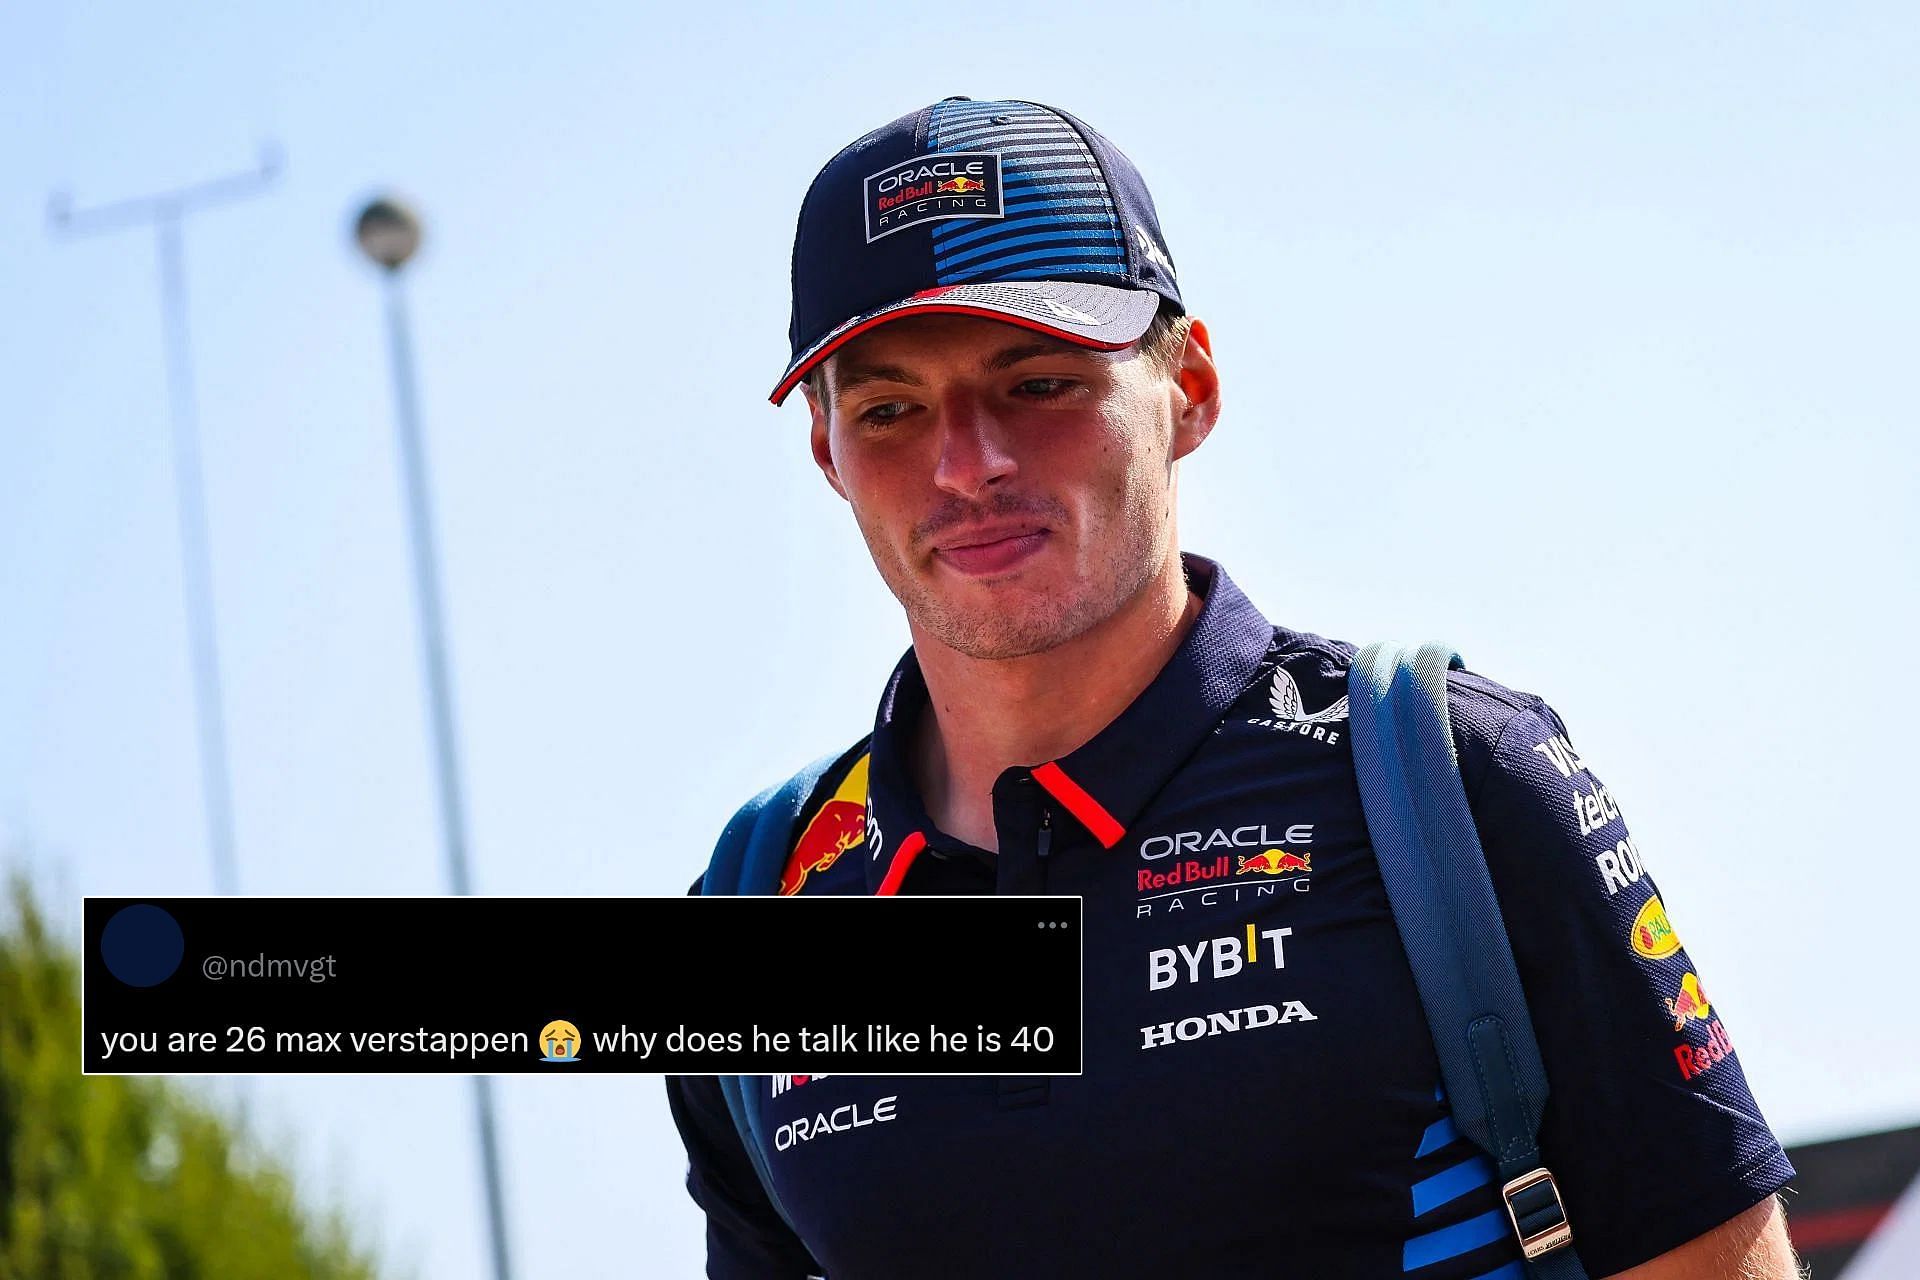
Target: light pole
point(389, 234)
point(165, 213)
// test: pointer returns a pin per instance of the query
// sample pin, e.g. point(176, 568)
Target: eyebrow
point(856, 376)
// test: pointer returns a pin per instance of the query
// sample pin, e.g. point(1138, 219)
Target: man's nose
point(975, 447)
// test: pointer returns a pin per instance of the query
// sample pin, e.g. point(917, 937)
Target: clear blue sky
point(1615, 302)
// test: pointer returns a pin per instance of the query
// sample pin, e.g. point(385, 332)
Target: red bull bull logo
point(1275, 862)
point(837, 826)
point(1690, 1003)
point(962, 185)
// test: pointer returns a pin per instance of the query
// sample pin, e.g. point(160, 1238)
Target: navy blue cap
point(1005, 209)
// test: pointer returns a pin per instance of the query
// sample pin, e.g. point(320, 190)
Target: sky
point(1578, 336)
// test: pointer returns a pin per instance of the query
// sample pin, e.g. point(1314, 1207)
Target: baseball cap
point(1001, 208)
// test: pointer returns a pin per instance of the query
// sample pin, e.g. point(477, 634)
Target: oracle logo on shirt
point(1250, 836)
point(842, 1119)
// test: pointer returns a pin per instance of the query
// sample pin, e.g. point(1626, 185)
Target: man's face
point(1014, 490)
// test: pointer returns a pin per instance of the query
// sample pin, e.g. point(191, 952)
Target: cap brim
point(1092, 315)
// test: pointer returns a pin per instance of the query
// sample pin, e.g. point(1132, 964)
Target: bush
point(129, 1178)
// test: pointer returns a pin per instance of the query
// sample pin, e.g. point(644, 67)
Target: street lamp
point(389, 234)
point(165, 212)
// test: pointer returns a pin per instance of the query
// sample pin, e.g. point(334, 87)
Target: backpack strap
point(748, 859)
point(1443, 900)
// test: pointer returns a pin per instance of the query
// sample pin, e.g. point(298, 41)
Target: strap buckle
point(1533, 1199)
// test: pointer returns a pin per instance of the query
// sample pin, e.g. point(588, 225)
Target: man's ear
point(822, 442)
point(1198, 406)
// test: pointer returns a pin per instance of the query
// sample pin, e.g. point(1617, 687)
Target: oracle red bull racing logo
point(928, 188)
point(1280, 863)
point(837, 826)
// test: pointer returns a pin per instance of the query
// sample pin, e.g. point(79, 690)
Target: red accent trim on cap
point(1081, 805)
point(902, 859)
point(792, 380)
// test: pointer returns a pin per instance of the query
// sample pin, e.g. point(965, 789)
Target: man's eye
point(877, 414)
point(1032, 388)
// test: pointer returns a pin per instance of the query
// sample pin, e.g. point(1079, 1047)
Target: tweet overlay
point(976, 985)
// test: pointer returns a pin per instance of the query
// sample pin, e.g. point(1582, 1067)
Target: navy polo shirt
point(1260, 1094)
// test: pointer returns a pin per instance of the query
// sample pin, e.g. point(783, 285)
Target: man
point(1002, 381)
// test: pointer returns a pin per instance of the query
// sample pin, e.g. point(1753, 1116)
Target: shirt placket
point(1027, 829)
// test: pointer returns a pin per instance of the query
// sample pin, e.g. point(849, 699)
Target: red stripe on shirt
point(1081, 805)
point(902, 859)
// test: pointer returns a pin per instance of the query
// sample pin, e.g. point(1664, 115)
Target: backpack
point(1443, 902)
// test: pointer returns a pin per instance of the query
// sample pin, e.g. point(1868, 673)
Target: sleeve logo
point(1691, 1003)
point(1653, 935)
point(837, 826)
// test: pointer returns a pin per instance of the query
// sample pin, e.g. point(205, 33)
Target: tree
point(130, 1177)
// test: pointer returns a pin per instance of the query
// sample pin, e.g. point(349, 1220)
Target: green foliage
point(129, 1178)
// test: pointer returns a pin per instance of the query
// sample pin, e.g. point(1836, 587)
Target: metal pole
point(490, 1166)
point(426, 581)
point(426, 578)
point(165, 213)
point(196, 556)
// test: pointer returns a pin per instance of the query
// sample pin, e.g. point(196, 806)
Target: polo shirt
point(1260, 1094)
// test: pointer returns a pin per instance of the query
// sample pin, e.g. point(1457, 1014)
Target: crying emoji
point(561, 1040)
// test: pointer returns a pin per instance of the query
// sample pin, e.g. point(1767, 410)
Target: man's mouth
point(990, 549)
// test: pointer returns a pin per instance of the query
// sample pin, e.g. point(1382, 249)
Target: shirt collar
point(1108, 781)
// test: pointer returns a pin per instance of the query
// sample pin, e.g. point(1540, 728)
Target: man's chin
point(1016, 624)
point(997, 645)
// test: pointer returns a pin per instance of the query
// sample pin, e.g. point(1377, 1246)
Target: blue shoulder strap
point(1450, 924)
point(748, 859)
